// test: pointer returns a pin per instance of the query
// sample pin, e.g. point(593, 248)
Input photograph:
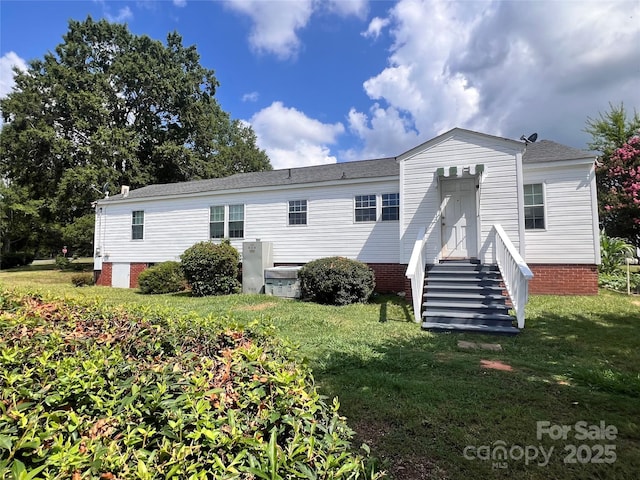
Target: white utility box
point(282, 282)
point(256, 257)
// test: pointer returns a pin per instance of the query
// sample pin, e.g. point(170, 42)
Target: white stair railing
point(515, 272)
point(415, 273)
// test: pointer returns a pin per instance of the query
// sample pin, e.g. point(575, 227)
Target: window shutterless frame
point(137, 225)
point(297, 212)
point(534, 207)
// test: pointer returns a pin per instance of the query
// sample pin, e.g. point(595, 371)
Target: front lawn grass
point(418, 399)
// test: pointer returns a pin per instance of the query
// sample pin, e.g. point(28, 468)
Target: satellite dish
point(530, 139)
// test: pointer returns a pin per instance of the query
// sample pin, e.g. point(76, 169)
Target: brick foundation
point(135, 270)
point(103, 277)
point(390, 277)
point(564, 279)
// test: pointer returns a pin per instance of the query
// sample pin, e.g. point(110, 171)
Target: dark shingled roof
point(548, 151)
point(384, 167)
point(542, 151)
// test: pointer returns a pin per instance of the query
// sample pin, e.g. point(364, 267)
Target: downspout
point(594, 215)
point(520, 198)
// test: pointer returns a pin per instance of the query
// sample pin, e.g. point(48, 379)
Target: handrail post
point(415, 272)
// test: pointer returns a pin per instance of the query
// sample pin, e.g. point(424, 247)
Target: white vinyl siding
point(568, 236)
point(174, 224)
point(497, 196)
point(137, 225)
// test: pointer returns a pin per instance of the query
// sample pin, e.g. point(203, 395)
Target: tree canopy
point(618, 171)
point(110, 107)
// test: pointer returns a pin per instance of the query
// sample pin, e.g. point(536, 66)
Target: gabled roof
point(384, 167)
point(547, 151)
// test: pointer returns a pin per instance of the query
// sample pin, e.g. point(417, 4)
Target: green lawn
point(419, 400)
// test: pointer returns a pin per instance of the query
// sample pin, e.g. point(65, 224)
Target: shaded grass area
point(419, 400)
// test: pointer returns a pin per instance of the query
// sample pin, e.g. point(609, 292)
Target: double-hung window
point(534, 207)
point(226, 221)
point(297, 212)
point(137, 225)
point(236, 221)
point(390, 206)
point(365, 208)
point(216, 222)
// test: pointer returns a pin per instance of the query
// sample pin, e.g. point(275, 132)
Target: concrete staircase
point(466, 296)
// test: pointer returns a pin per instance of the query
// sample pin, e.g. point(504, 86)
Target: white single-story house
point(460, 195)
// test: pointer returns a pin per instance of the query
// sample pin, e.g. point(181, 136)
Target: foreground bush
point(82, 279)
point(93, 392)
point(165, 277)
point(211, 268)
point(336, 281)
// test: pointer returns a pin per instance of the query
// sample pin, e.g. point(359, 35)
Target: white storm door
point(120, 274)
point(459, 222)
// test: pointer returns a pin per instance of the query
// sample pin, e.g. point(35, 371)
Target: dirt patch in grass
point(636, 302)
point(399, 467)
point(258, 307)
point(496, 365)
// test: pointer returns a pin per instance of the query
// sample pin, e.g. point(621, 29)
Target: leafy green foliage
point(82, 279)
point(63, 263)
point(108, 106)
point(16, 259)
point(618, 281)
point(336, 281)
point(616, 171)
point(90, 392)
point(211, 268)
point(165, 277)
point(613, 252)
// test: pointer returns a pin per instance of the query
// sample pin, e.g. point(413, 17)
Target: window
point(390, 206)
point(216, 222)
point(137, 225)
point(236, 221)
point(534, 207)
point(297, 212)
point(365, 208)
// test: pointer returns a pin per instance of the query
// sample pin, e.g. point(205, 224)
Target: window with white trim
point(216, 221)
point(390, 207)
point(365, 210)
point(534, 207)
point(226, 221)
point(297, 212)
point(236, 221)
point(137, 225)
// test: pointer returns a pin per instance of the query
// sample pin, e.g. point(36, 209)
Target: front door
point(459, 222)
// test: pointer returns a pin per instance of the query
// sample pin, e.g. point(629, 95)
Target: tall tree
point(615, 135)
point(112, 107)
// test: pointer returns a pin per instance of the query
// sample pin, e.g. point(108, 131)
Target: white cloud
point(291, 139)
point(375, 27)
point(7, 62)
point(123, 15)
point(250, 97)
point(180, 3)
point(275, 24)
point(346, 8)
point(505, 68)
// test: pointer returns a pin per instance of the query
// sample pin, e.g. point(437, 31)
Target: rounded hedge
point(211, 268)
point(336, 281)
point(165, 277)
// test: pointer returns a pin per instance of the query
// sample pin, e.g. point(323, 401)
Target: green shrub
point(336, 281)
point(618, 281)
point(165, 277)
point(62, 262)
point(211, 268)
point(82, 279)
point(95, 392)
point(613, 252)
point(15, 259)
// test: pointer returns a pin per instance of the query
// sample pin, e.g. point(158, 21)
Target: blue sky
point(339, 80)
